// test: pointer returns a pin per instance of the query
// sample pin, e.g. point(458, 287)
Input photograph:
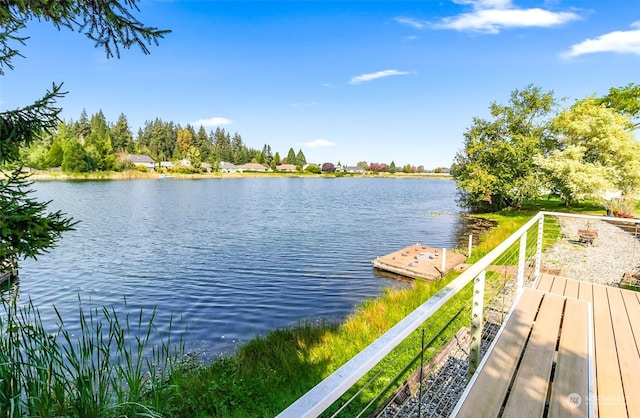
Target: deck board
point(545, 282)
point(531, 384)
point(609, 380)
point(627, 351)
point(572, 370)
point(504, 356)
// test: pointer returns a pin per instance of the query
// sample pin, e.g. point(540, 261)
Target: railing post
point(477, 312)
point(522, 256)
point(539, 247)
point(444, 261)
point(470, 245)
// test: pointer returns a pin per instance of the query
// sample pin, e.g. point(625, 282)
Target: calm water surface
point(232, 258)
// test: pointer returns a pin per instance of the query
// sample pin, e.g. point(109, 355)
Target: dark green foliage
point(300, 158)
point(291, 157)
point(496, 170)
point(26, 229)
point(76, 159)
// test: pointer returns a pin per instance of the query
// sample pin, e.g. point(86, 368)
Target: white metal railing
point(323, 395)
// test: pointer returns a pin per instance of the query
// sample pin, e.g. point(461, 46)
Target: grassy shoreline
point(150, 175)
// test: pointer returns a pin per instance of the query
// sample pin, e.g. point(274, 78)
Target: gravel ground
point(612, 254)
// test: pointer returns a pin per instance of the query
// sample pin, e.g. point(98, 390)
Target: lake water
point(232, 258)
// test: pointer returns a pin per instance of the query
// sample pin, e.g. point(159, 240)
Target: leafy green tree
point(495, 170)
point(26, 229)
point(626, 100)
point(596, 153)
point(276, 158)
point(392, 167)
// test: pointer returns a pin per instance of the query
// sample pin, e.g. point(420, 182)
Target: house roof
point(252, 166)
point(227, 166)
point(286, 167)
point(141, 159)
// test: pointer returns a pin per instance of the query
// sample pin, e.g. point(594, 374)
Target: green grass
point(104, 371)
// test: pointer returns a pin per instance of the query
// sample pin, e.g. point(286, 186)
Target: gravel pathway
point(612, 254)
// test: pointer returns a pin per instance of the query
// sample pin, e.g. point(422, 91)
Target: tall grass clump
point(103, 371)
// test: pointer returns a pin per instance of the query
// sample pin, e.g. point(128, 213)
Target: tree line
point(93, 144)
point(532, 146)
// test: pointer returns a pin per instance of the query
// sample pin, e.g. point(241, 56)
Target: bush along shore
point(110, 371)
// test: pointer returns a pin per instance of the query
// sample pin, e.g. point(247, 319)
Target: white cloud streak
point(318, 143)
point(373, 76)
point(493, 16)
point(623, 42)
point(212, 122)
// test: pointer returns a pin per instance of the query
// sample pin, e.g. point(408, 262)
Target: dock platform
point(419, 261)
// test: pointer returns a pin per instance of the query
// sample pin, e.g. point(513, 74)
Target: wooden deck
point(568, 348)
point(616, 323)
point(419, 261)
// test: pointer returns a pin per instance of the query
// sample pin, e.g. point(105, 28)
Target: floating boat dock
point(419, 261)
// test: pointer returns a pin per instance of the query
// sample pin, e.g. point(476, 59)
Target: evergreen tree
point(300, 158)
point(121, 136)
point(291, 157)
point(82, 128)
point(76, 159)
point(392, 167)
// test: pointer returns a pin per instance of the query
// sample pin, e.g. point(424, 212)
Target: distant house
point(354, 170)
point(226, 167)
point(142, 161)
point(252, 167)
point(185, 162)
point(206, 166)
point(166, 164)
point(286, 167)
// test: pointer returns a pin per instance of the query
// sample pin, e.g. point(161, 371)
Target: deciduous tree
point(596, 153)
point(495, 169)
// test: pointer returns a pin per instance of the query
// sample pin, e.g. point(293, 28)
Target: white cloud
point(623, 42)
point(211, 122)
point(411, 22)
point(318, 143)
point(372, 76)
point(492, 16)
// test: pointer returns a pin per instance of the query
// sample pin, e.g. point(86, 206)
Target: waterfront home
point(253, 167)
point(286, 167)
point(226, 167)
point(354, 170)
point(166, 165)
point(140, 160)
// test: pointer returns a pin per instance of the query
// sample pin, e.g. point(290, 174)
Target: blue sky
point(378, 81)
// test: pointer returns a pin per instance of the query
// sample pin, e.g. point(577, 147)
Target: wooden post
point(477, 313)
point(522, 256)
point(470, 245)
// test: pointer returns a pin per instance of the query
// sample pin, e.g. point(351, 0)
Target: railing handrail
point(325, 393)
